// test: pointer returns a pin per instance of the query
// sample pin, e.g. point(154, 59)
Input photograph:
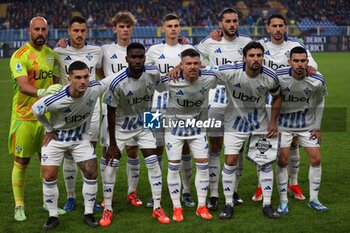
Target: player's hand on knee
point(112, 153)
point(216, 34)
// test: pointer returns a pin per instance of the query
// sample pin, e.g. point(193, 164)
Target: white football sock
point(174, 183)
point(266, 180)
point(69, 175)
point(294, 163)
point(133, 173)
point(186, 173)
point(314, 181)
point(50, 192)
point(202, 182)
point(214, 173)
point(155, 179)
point(109, 182)
point(228, 182)
point(282, 179)
point(89, 194)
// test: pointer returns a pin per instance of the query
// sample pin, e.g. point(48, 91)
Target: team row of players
point(170, 49)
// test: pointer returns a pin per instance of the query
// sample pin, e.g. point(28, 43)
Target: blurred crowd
point(149, 13)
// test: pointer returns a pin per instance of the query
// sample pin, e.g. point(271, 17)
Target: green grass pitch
point(334, 192)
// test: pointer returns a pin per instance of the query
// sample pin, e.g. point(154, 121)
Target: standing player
point(301, 115)
point(188, 100)
point(78, 50)
point(113, 61)
point(226, 51)
point(166, 56)
point(71, 111)
point(32, 73)
point(129, 96)
point(277, 50)
point(248, 85)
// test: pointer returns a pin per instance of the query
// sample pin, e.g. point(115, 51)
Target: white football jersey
point(222, 52)
point(113, 58)
point(298, 100)
point(91, 55)
point(246, 111)
point(165, 57)
point(71, 117)
point(187, 101)
point(276, 56)
point(132, 97)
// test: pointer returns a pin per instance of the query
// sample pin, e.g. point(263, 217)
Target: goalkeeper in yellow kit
point(32, 76)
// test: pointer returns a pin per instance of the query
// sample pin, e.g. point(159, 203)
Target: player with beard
point(248, 85)
point(32, 72)
point(301, 115)
point(226, 51)
point(277, 51)
point(77, 49)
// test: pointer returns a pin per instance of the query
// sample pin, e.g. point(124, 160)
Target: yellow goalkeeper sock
point(18, 178)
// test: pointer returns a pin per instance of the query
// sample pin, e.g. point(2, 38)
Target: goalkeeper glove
point(50, 90)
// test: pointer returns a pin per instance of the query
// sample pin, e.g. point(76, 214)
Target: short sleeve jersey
point(298, 100)
point(246, 111)
point(132, 97)
point(113, 58)
point(91, 55)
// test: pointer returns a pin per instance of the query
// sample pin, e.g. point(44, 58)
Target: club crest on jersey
point(240, 51)
point(90, 102)
point(19, 67)
point(89, 56)
point(287, 54)
point(307, 91)
point(260, 89)
point(203, 90)
point(149, 86)
point(49, 60)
